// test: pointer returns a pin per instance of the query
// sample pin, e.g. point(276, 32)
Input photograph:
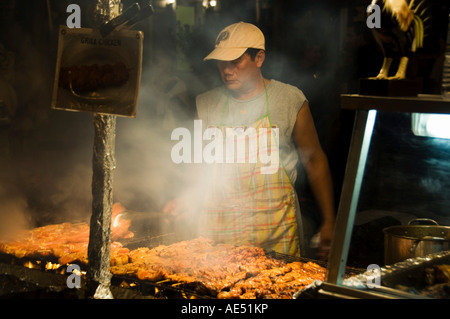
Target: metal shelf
point(423, 103)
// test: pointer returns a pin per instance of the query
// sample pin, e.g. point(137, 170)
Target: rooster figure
point(401, 33)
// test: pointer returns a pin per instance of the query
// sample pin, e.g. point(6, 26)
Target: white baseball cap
point(234, 40)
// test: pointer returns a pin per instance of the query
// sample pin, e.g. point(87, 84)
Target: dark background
point(322, 47)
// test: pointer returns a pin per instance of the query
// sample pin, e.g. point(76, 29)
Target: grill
point(43, 277)
point(183, 290)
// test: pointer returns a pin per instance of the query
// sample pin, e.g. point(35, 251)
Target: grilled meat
point(68, 242)
point(281, 282)
point(224, 270)
point(220, 270)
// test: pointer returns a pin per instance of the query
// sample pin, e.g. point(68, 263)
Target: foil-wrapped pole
point(99, 249)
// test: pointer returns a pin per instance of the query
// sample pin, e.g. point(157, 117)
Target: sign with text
point(98, 74)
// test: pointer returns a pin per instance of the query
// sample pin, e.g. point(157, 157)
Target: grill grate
point(182, 290)
point(163, 289)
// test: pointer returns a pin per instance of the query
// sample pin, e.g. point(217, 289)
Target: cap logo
point(222, 37)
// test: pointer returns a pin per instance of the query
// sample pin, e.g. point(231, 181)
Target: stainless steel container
point(403, 242)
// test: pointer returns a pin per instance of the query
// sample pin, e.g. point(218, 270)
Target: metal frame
point(332, 291)
point(366, 108)
point(356, 163)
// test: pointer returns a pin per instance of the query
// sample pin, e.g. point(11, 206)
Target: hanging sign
point(98, 74)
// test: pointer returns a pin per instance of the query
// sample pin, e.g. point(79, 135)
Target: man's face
point(241, 75)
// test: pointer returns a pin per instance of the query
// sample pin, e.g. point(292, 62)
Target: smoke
point(14, 212)
point(52, 162)
point(146, 178)
point(46, 174)
point(72, 194)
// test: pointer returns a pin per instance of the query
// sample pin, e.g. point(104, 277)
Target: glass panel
point(406, 177)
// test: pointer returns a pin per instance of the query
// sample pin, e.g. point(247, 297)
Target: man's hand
point(326, 236)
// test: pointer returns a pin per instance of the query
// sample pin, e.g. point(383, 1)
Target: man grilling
point(247, 205)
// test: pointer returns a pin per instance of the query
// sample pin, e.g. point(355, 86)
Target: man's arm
point(317, 169)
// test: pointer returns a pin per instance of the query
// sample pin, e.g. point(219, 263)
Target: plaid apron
point(248, 207)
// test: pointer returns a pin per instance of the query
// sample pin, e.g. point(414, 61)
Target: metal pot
point(403, 242)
